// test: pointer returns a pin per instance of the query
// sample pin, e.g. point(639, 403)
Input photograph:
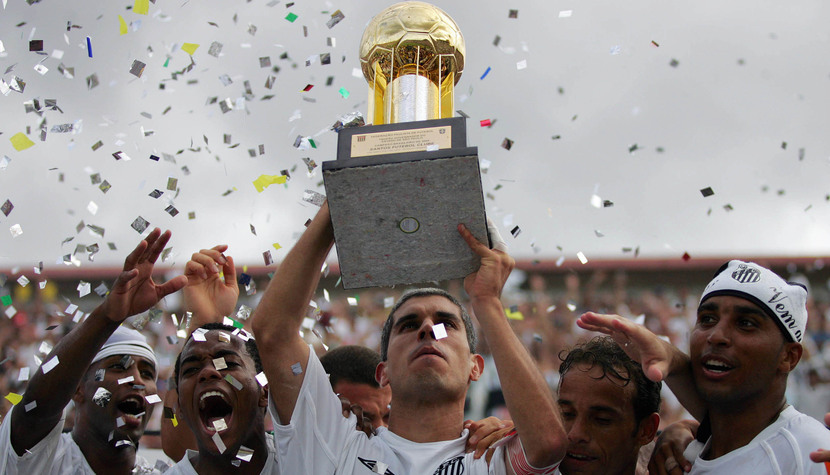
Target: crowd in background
point(542, 307)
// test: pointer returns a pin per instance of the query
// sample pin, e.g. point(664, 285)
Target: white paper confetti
point(581, 257)
point(83, 289)
point(261, 379)
point(439, 331)
point(16, 230)
point(128, 379)
point(45, 348)
point(50, 365)
point(199, 334)
point(219, 363)
point(30, 406)
point(566, 13)
point(234, 382)
point(153, 398)
point(245, 454)
point(297, 369)
point(23, 375)
point(23, 281)
point(217, 439)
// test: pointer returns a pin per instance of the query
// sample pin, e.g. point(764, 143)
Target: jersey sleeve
point(515, 458)
point(38, 459)
point(318, 432)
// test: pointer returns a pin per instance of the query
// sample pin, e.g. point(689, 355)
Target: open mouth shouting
point(215, 411)
point(132, 410)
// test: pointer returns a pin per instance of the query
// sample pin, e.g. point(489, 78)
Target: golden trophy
point(400, 186)
point(412, 55)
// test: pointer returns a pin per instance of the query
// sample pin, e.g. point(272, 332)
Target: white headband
point(784, 302)
point(126, 341)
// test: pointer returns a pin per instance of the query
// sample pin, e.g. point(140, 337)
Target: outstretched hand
point(640, 344)
point(134, 290)
point(496, 265)
point(207, 295)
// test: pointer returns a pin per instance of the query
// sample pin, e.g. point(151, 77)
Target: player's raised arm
point(527, 395)
point(279, 315)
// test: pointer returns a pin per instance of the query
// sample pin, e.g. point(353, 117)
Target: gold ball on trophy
point(412, 54)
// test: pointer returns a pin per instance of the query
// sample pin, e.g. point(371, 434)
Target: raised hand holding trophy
point(399, 187)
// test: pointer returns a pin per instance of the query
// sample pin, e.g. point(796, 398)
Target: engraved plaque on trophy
point(400, 186)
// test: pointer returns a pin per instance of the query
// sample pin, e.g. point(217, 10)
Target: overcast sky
point(641, 103)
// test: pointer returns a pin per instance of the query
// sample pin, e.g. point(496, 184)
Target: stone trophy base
point(395, 215)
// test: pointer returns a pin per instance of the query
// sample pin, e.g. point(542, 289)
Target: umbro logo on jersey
point(373, 465)
point(746, 275)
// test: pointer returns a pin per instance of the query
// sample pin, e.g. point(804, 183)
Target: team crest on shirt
point(451, 467)
point(373, 466)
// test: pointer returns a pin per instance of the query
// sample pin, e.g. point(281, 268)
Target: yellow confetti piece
point(20, 141)
point(190, 48)
point(141, 7)
point(277, 246)
point(122, 28)
point(513, 315)
point(14, 398)
point(175, 421)
point(264, 181)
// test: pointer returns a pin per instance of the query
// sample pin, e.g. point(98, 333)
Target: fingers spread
point(157, 246)
point(133, 258)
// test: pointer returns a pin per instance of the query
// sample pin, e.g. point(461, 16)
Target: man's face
point(127, 411)
point(598, 414)
point(374, 401)
point(209, 402)
point(418, 361)
point(737, 351)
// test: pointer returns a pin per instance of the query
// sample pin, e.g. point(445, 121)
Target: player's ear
point(790, 356)
point(477, 366)
point(648, 429)
point(78, 397)
point(380, 374)
point(263, 396)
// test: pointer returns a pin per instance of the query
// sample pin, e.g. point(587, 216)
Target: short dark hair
point(250, 347)
point(472, 339)
point(605, 353)
point(351, 363)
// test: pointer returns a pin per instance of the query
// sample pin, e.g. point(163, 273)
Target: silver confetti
point(140, 224)
point(102, 397)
